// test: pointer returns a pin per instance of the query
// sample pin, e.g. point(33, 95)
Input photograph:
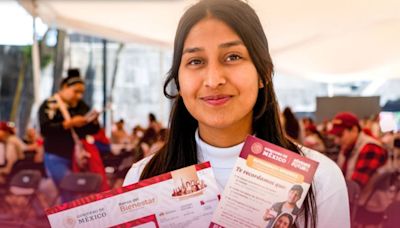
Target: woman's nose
point(215, 76)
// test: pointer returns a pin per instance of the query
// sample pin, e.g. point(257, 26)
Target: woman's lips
point(217, 99)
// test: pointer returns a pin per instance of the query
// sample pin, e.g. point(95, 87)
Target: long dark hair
point(180, 149)
point(292, 126)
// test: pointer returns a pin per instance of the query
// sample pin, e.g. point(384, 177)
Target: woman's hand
point(91, 116)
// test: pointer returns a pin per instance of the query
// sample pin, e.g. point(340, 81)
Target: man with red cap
point(11, 150)
point(360, 155)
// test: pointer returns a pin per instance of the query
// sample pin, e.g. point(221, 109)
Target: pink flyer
point(267, 187)
point(185, 197)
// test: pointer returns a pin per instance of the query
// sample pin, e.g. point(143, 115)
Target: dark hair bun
point(73, 72)
point(73, 77)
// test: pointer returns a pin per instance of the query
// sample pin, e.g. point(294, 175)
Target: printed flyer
point(182, 198)
point(267, 187)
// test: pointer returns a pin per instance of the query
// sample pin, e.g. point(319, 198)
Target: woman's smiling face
point(217, 78)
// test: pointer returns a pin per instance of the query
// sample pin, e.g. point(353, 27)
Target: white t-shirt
point(329, 184)
point(330, 192)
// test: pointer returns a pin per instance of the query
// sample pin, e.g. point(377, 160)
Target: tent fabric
point(328, 41)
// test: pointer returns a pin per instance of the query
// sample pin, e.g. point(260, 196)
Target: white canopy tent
point(328, 41)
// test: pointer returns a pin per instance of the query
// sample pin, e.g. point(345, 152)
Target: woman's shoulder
point(320, 158)
point(330, 191)
point(133, 175)
point(328, 179)
point(49, 102)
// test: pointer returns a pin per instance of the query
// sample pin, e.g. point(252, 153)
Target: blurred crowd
point(358, 146)
point(368, 158)
point(117, 152)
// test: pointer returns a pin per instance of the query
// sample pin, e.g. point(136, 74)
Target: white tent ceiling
point(329, 40)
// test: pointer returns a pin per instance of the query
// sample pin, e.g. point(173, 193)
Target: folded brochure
point(185, 197)
point(266, 188)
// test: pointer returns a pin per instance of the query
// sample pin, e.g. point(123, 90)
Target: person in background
point(307, 121)
point(360, 155)
point(375, 126)
point(35, 144)
point(222, 72)
point(291, 125)
point(137, 134)
point(101, 142)
point(396, 151)
point(331, 148)
point(56, 130)
point(143, 149)
point(370, 126)
point(153, 123)
point(160, 141)
point(13, 150)
point(313, 139)
point(119, 135)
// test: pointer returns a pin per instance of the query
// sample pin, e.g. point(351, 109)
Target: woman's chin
point(217, 124)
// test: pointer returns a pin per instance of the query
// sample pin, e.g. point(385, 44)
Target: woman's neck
point(225, 137)
point(290, 205)
point(62, 96)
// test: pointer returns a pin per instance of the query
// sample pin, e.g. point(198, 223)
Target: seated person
point(13, 150)
point(119, 135)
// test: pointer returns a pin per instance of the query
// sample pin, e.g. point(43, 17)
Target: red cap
point(312, 128)
point(5, 126)
point(343, 120)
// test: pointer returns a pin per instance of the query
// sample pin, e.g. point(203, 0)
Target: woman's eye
point(195, 62)
point(233, 57)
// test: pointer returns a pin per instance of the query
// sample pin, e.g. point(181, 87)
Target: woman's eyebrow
point(230, 44)
point(223, 45)
point(192, 50)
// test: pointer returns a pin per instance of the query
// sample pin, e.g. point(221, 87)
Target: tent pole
point(36, 73)
point(104, 83)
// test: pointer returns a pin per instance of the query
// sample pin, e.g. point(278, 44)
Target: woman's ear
point(63, 86)
point(260, 84)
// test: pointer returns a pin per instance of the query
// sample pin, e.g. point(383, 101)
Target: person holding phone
point(56, 129)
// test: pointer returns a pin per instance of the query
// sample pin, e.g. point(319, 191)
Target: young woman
point(56, 130)
point(223, 74)
point(283, 221)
